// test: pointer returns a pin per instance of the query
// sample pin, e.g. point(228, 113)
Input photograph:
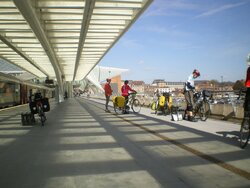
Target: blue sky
point(173, 37)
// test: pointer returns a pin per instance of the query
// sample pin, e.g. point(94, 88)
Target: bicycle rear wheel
point(136, 106)
point(41, 114)
point(117, 109)
point(244, 133)
point(204, 110)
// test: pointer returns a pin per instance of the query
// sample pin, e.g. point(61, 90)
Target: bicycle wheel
point(157, 107)
point(153, 106)
point(41, 115)
point(244, 133)
point(204, 110)
point(196, 108)
point(136, 106)
point(117, 109)
point(43, 118)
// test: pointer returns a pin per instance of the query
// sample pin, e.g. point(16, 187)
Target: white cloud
point(170, 7)
point(220, 9)
point(149, 69)
point(141, 62)
point(129, 43)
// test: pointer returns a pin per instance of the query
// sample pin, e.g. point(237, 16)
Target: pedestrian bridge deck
point(83, 146)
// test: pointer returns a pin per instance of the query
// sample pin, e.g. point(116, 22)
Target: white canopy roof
point(100, 74)
point(63, 39)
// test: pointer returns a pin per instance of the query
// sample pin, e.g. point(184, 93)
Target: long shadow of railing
point(227, 156)
point(59, 150)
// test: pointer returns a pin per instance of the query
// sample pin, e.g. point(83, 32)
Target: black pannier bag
point(207, 93)
point(33, 108)
point(46, 106)
point(197, 96)
point(28, 118)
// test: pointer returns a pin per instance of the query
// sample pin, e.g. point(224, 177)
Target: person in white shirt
point(189, 94)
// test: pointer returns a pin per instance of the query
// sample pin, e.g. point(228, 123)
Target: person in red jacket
point(108, 93)
point(247, 85)
point(125, 91)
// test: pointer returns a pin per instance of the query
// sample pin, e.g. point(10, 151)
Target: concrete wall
point(227, 110)
point(224, 111)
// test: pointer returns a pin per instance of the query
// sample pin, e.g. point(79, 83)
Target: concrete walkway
point(83, 146)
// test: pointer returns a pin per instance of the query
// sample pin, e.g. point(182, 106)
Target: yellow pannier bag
point(170, 101)
point(120, 101)
point(153, 106)
point(162, 101)
point(113, 99)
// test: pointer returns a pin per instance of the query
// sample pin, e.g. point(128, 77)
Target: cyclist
point(157, 93)
point(125, 92)
point(108, 93)
point(247, 85)
point(33, 99)
point(189, 93)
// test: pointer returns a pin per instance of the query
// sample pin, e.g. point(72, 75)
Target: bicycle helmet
point(248, 59)
point(196, 72)
point(126, 82)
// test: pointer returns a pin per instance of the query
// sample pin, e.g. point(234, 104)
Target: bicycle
point(244, 128)
point(40, 112)
point(164, 104)
point(154, 103)
point(119, 104)
point(38, 105)
point(201, 105)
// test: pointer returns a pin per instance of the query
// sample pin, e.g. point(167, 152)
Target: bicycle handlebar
point(132, 93)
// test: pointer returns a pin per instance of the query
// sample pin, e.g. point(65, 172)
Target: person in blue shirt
point(189, 95)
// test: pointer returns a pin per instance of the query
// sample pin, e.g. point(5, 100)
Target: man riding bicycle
point(125, 92)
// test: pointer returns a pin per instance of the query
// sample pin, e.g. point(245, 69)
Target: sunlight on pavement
point(90, 155)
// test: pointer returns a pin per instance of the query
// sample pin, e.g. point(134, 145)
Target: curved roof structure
point(100, 74)
point(63, 39)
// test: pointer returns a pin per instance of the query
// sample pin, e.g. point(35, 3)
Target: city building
point(138, 86)
point(175, 85)
point(159, 83)
point(149, 89)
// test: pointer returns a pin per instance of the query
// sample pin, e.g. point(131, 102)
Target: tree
point(238, 85)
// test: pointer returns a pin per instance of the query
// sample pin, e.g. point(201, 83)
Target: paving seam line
point(198, 153)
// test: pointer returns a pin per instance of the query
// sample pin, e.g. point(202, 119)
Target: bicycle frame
point(166, 109)
point(244, 134)
point(200, 104)
point(131, 102)
point(131, 97)
point(40, 111)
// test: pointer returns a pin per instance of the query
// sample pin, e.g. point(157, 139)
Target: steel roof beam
point(19, 81)
point(12, 62)
point(19, 52)
point(30, 16)
point(88, 10)
point(145, 6)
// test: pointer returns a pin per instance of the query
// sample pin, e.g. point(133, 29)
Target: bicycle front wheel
point(43, 119)
point(244, 133)
point(204, 111)
point(136, 106)
point(153, 106)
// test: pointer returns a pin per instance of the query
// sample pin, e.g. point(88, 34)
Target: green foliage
point(239, 84)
